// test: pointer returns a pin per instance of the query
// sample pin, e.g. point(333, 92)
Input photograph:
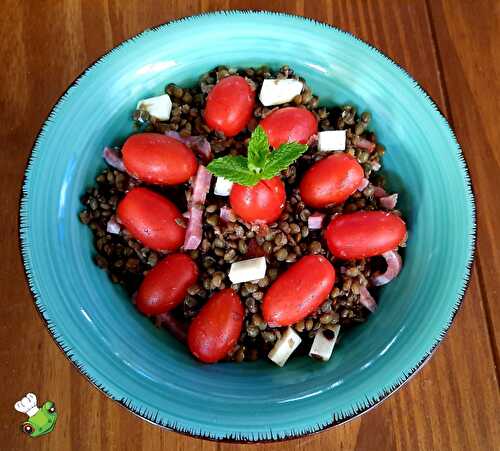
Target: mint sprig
point(258, 149)
point(260, 164)
point(234, 169)
point(280, 159)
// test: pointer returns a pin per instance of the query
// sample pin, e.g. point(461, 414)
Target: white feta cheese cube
point(323, 343)
point(331, 140)
point(222, 187)
point(247, 270)
point(277, 92)
point(284, 347)
point(158, 107)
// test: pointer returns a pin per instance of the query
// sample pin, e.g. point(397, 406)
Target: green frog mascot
point(42, 420)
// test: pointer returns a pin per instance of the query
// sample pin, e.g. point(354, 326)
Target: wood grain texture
point(449, 47)
point(476, 76)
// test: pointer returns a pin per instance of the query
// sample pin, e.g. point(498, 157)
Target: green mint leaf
point(281, 158)
point(235, 169)
point(258, 150)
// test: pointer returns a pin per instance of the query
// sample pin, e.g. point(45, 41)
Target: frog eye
point(27, 428)
point(49, 407)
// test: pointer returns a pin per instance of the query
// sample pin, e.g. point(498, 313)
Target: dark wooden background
point(451, 47)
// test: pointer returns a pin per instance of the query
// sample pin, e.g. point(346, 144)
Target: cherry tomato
point(364, 234)
point(166, 285)
point(158, 159)
point(289, 124)
point(230, 105)
point(299, 291)
point(150, 218)
point(216, 329)
point(331, 181)
point(263, 202)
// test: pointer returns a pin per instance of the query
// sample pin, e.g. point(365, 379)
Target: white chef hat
point(27, 405)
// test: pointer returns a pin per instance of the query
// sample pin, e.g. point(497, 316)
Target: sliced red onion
point(313, 140)
point(389, 202)
point(366, 299)
point(201, 145)
point(226, 214)
point(112, 157)
point(315, 221)
point(175, 135)
point(201, 185)
point(379, 192)
point(198, 144)
point(363, 143)
point(376, 166)
point(394, 264)
point(364, 183)
point(113, 226)
point(186, 214)
point(194, 229)
point(254, 249)
point(177, 328)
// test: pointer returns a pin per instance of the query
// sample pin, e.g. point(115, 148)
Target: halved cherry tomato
point(364, 234)
point(289, 124)
point(263, 202)
point(230, 105)
point(299, 291)
point(216, 329)
point(151, 219)
point(166, 285)
point(331, 181)
point(158, 159)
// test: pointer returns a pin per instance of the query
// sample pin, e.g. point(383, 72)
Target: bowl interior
point(145, 368)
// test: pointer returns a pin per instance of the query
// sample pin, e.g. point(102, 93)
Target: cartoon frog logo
point(41, 421)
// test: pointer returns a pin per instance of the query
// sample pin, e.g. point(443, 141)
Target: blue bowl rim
point(372, 403)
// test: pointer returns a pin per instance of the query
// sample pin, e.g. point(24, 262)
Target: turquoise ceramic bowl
point(144, 368)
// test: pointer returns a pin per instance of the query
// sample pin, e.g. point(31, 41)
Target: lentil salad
point(226, 238)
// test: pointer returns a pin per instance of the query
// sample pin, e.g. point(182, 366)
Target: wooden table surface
point(450, 47)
